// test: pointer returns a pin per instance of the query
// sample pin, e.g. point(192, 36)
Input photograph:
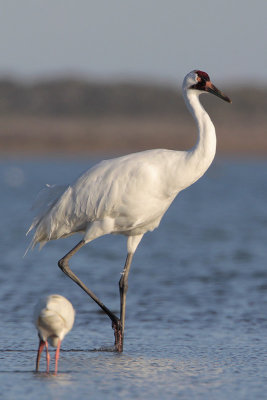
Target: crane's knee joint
point(63, 265)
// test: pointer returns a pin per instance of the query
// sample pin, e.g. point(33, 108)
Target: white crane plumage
point(53, 317)
point(127, 195)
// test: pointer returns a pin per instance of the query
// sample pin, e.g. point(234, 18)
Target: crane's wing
point(133, 191)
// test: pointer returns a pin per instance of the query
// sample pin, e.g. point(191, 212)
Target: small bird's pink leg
point(40, 349)
point(47, 357)
point(57, 355)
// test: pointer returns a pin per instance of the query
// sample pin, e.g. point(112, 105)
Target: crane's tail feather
point(45, 201)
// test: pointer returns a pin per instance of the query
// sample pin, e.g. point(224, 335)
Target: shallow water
point(197, 302)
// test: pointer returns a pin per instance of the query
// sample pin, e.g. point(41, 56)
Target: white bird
point(53, 317)
point(127, 195)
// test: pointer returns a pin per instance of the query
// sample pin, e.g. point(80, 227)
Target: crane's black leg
point(116, 323)
point(123, 285)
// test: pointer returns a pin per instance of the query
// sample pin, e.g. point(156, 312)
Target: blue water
point(196, 323)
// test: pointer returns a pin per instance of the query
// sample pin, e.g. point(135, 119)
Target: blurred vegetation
point(81, 98)
point(71, 115)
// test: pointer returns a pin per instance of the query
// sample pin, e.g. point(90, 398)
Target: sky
point(155, 40)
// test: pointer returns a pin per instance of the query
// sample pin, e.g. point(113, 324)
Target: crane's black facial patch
point(202, 78)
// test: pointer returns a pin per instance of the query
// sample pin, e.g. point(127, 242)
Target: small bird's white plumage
point(53, 317)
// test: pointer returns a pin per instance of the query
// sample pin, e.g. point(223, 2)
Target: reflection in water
point(60, 379)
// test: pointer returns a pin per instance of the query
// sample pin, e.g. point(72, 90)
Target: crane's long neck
point(201, 155)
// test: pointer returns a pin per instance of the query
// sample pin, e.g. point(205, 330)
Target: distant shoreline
point(36, 136)
point(76, 117)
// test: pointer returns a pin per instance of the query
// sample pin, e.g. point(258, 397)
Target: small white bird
point(53, 318)
point(127, 195)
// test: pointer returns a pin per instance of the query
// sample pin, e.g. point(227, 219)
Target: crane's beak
point(213, 90)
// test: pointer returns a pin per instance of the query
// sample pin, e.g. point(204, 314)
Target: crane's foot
point(116, 326)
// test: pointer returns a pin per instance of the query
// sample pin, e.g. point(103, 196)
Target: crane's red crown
point(202, 75)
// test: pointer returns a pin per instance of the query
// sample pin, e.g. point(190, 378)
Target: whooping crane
point(127, 195)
